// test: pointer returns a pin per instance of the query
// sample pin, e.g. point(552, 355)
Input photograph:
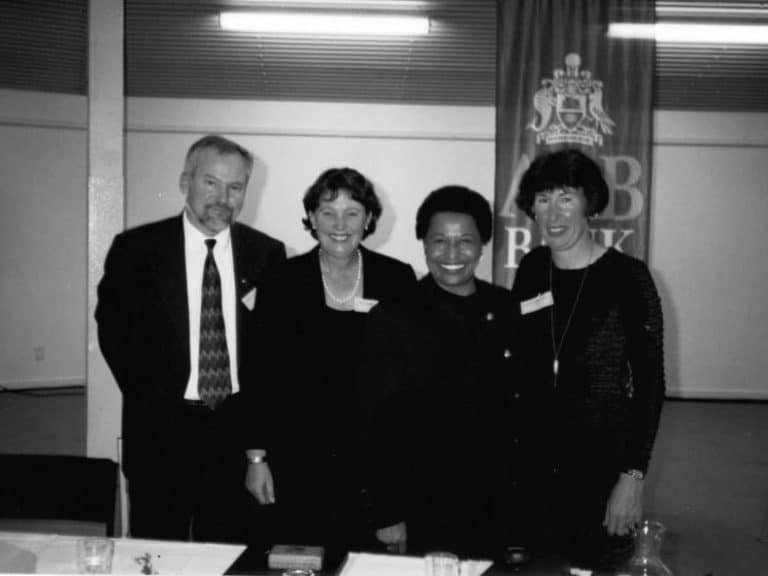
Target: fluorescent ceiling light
point(323, 23)
point(678, 33)
point(356, 4)
point(731, 10)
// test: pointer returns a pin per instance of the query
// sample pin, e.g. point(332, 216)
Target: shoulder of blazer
point(305, 264)
point(256, 238)
point(151, 244)
point(298, 277)
point(532, 272)
point(153, 231)
point(492, 291)
point(537, 256)
point(255, 253)
point(384, 276)
point(392, 266)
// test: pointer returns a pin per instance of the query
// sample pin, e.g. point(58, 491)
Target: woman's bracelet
point(635, 474)
point(256, 456)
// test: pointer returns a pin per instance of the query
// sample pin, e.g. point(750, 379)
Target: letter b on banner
point(623, 174)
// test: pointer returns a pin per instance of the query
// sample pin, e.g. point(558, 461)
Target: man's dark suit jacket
point(143, 326)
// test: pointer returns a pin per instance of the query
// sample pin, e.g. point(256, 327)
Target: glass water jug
point(646, 560)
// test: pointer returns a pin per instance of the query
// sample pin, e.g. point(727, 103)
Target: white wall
point(405, 150)
point(43, 251)
point(709, 206)
point(708, 249)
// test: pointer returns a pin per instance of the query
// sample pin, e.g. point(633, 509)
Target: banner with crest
point(563, 83)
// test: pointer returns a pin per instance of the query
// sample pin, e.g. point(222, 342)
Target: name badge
point(249, 300)
point(537, 303)
point(364, 304)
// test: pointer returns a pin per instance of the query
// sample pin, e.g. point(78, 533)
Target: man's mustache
point(222, 207)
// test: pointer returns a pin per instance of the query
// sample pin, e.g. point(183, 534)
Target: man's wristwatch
point(635, 473)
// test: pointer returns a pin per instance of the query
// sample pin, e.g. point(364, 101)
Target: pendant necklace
point(344, 300)
point(557, 347)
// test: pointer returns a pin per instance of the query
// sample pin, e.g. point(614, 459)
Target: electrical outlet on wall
point(39, 353)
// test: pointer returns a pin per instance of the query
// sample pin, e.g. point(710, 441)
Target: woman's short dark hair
point(335, 180)
point(565, 168)
point(455, 199)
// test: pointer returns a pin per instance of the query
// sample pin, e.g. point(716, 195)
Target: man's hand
point(625, 506)
point(395, 537)
point(258, 481)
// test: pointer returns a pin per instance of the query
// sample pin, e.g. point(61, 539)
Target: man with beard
point(175, 324)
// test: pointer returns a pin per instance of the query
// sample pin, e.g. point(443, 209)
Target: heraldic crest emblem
point(569, 107)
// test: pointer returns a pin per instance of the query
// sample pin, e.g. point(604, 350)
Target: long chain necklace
point(344, 300)
point(556, 348)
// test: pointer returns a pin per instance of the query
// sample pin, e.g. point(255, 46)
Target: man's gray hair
point(222, 146)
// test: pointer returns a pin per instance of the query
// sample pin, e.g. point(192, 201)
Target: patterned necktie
point(213, 382)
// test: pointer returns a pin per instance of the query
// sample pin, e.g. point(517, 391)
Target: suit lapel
point(311, 278)
point(375, 284)
point(239, 263)
point(243, 283)
point(172, 280)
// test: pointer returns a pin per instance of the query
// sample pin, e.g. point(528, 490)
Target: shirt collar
point(193, 236)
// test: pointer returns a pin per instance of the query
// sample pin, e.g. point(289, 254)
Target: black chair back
point(43, 492)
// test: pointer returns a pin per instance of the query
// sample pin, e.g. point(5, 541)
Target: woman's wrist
point(635, 474)
point(256, 456)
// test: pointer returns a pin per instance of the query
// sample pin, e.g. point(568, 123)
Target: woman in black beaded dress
point(439, 373)
point(593, 327)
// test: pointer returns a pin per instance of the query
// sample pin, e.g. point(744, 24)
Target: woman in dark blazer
point(306, 419)
point(440, 392)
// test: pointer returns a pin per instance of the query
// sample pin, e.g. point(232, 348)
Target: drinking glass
point(94, 555)
point(442, 564)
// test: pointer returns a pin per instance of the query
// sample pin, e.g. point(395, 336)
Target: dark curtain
point(563, 83)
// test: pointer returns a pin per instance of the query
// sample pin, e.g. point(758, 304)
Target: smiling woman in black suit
point(312, 316)
point(440, 393)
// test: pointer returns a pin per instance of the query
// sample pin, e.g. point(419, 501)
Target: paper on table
point(386, 565)
point(173, 557)
point(57, 555)
point(33, 543)
point(16, 560)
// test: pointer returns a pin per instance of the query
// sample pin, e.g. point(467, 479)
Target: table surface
point(254, 562)
point(56, 554)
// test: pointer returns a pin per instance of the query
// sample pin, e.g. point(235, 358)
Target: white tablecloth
point(388, 565)
point(56, 554)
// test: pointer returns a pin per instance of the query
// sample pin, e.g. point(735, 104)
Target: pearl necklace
point(344, 300)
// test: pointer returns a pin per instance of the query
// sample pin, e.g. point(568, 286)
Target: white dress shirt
point(195, 252)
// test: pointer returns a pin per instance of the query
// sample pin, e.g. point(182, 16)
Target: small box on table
point(287, 557)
